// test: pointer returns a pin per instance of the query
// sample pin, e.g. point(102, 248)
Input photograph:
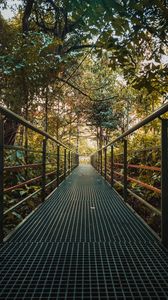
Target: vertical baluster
point(65, 165)
point(164, 182)
point(98, 163)
point(43, 181)
point(101, 163)
point(105, 163)
point(58, 164)
point(1, 177)
point(112, 165)
point(125, 170)
point(91, 160)
point(71, 159)
point(76, 160)
point(26, 151)
point(69, 162)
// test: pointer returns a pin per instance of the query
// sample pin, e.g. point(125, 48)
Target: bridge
point(83, 240)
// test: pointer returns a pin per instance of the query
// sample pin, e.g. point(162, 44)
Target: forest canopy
point(84, 70)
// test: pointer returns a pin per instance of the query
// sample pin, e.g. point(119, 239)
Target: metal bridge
point(83, 241)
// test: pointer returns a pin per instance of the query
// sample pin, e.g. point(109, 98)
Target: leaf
point(7, 72)
point(17, 215)
point(19, 154)
point(23, 192)
point(31, 204)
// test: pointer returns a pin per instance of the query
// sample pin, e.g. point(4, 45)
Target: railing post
point(97, 161)
point(101, 163)
point(1, 177)
point(125, 170)
point(69, 162)
point(98, 167)
point(58, 164)
point(64, 163)
point(43, 182)
point(71, 159)
point(95, 156)
point(91, 160)
point(26, 151)
point(76, 160)
point(112, 166)
point(105, 163)
point(164, 182)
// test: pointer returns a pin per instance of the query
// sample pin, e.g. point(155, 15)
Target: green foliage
point(102, 116)
point(150, 157)
point(123, 76)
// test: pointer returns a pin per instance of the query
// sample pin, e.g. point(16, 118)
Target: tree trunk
point(26, 16)
point(10, 130)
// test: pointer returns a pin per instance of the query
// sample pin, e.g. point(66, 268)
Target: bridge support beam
point(164, 182)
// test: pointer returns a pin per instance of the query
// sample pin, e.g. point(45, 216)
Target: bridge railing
point(120, 170)
point(32, 164)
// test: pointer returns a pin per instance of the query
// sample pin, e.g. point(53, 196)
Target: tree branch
point(83, 93)
point(26, 16)
point(78, 47)
point(74, 87)
point(55, 7)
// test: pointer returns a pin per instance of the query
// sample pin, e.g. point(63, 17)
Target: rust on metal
point(139, 167)
point(19, 167)
point(147, 186)
point(15, 187)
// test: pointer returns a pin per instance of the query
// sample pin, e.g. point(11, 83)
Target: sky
point(9, 13)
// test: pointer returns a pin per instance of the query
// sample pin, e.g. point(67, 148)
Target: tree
point(46, 55)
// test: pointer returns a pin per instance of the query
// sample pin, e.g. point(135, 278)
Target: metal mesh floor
point(83, 243)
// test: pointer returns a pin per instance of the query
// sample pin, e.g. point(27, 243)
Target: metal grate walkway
point(83, 243)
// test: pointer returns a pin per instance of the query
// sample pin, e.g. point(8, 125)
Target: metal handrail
point(139, 167)
point(141, 183)
point(156, 114)
point(27, 182)
point(65, 161)
point(24, 122)
point(99, 161)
